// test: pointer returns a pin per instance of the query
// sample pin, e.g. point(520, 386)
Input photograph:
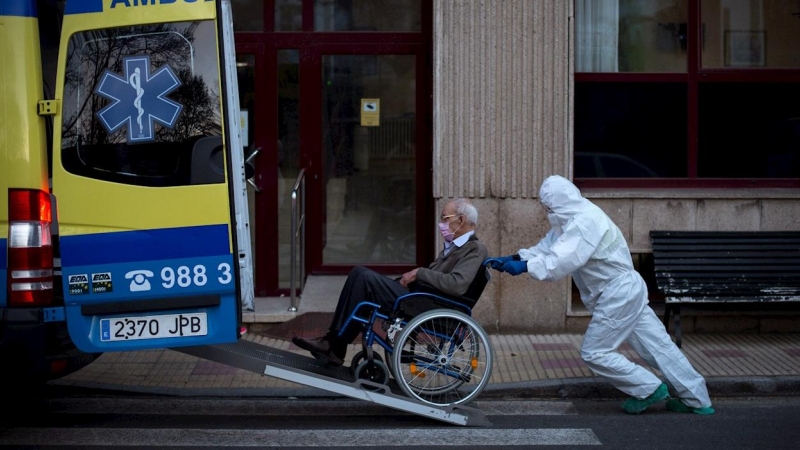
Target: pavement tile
point(725, 353)
point(212, 368)
point(547, 347)
point(561, 363)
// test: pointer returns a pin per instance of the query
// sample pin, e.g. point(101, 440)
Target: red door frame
point(312, 45)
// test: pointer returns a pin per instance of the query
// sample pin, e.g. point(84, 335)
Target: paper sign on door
point(370, 112)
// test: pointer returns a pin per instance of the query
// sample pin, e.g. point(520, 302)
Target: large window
point(141, 105)
point(687, 92)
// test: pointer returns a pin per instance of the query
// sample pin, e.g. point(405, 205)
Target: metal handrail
point(298, 226)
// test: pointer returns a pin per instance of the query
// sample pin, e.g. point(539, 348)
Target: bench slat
point(728, 299)
point(722, 257)
point(753, 250)
point(684, 267)
point(724, 234)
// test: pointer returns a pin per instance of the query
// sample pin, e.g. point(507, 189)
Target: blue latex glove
point(496, 263)
point(514, 267)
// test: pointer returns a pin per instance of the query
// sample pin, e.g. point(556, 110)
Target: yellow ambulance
point(136, 169)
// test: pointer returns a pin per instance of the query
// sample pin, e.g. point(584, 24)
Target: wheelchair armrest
point(416, 303)
point(419, 286)
point(424, 297)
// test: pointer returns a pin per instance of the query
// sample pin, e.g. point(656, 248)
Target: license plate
point(153, 327)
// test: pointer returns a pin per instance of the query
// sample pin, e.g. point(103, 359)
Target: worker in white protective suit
point(585, 243)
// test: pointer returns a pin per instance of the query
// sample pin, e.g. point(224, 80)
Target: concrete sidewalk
point(537, 366)
point(542, 366)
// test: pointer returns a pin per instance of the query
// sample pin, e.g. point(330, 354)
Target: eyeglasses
point(445, 218)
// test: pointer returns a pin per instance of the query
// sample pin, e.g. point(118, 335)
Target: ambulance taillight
point(30, 248)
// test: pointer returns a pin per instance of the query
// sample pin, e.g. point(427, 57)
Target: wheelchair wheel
point(360, 357)
point(375, 371)
point(442, 357)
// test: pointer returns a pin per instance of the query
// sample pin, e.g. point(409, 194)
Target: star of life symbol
point(138, 99)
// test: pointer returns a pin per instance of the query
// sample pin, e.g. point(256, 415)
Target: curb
point(572, 388)
point(596, 388)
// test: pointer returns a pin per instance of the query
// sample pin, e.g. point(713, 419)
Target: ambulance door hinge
point(48, 107)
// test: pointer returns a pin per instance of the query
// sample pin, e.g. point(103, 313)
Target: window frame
point(694, 77)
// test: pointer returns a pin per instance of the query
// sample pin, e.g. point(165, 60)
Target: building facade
point(668, 114)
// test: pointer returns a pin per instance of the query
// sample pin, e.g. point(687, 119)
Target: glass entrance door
point(368, 124)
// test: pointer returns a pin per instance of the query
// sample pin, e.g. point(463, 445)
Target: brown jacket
point(452, 274)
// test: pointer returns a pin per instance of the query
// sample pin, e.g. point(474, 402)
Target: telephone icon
point(139, 280)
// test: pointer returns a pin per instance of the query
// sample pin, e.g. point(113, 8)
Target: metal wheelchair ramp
point(308, 371)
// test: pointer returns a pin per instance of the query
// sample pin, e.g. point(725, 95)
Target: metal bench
point(725, 267)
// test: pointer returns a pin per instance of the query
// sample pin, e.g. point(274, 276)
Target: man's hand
point(496, 263)
point(514, 267)
point(409, 277)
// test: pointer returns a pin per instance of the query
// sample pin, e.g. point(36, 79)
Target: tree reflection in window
point(88, 149)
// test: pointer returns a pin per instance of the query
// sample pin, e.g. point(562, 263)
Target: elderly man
point(584, 242)
point(451, 273)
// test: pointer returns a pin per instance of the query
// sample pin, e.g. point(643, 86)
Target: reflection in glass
point(248, 15)
point(753, 127)
point(750, 33)
point(144, 120)
point(288, 15)
point(288, 153)
point(631, 130)
point(630, 35)
point(367, 15)
point(369, 171)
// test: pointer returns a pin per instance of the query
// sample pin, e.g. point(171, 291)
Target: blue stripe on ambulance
point(3, 270)
point(148, 265)
point(141, 245)
point(21, 8)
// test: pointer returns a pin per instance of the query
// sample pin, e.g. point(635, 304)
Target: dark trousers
point(362, 285)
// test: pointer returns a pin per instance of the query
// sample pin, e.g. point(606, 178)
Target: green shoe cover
point(678, 406)
point(635, 406)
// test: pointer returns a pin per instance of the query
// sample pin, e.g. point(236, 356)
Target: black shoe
point(320, 349)
point(328, 358)
point(318, 345)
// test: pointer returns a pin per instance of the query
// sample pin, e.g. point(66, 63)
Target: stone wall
point(503, 121)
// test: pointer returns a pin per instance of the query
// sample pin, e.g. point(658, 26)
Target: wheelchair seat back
point(475, 289)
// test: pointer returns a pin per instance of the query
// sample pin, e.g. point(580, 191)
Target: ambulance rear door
point(141, 170)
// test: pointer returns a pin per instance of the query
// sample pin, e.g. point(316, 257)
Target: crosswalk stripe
point(262, 407)
point(469, 437)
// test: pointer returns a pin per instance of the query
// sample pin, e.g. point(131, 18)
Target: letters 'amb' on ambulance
point(141, 164)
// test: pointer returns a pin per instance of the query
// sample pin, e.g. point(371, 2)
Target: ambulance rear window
point(142, 105)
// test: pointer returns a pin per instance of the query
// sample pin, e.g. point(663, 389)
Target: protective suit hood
point(562, 198)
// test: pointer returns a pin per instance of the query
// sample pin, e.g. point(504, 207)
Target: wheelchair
point(434, 350)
